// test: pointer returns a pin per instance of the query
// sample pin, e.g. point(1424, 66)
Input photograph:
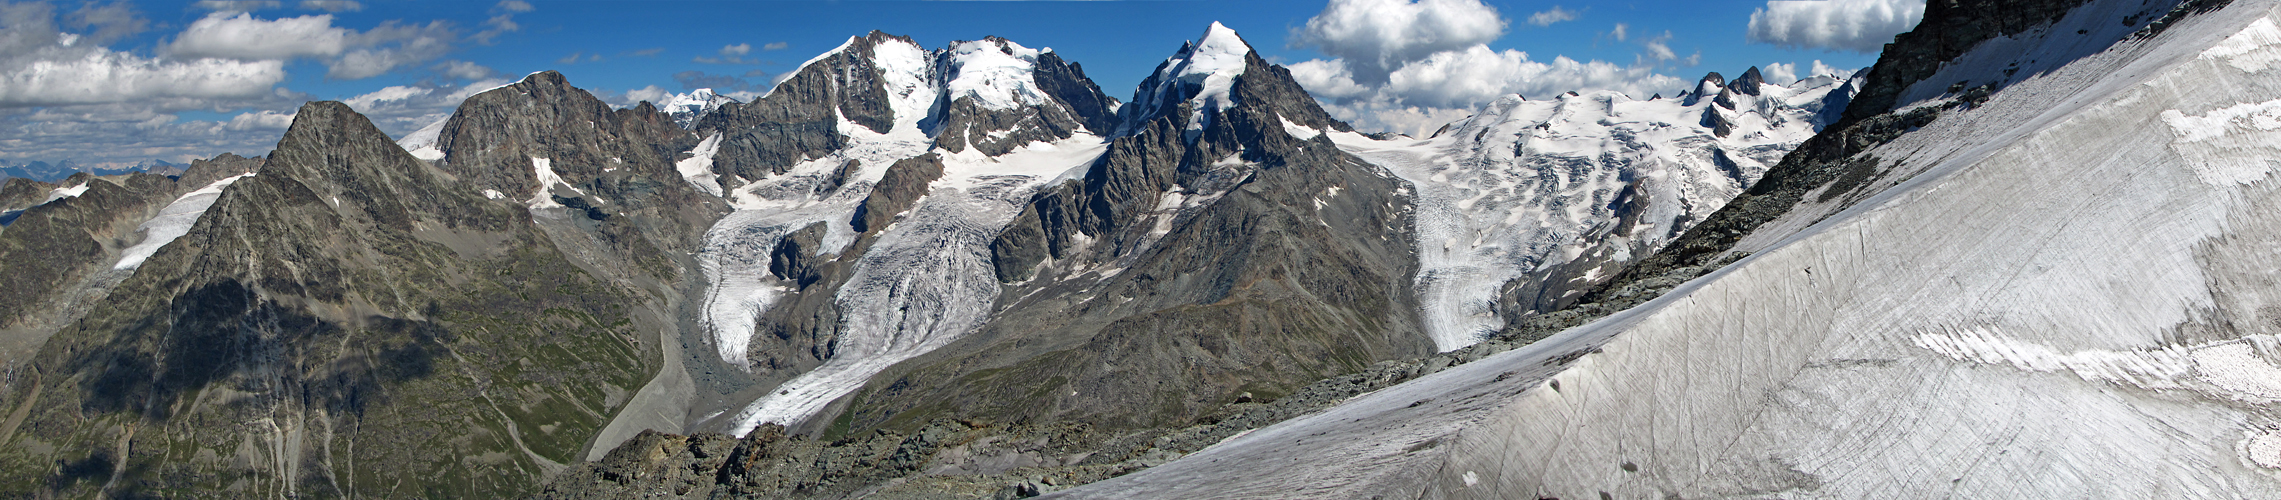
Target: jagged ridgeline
point(350, 320)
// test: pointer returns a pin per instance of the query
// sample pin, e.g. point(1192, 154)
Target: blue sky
point(224, 76)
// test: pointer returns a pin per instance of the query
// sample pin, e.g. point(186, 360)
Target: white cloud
point(463, 70)
point(1377, 36)
point(1476, 75)
point(246, 37)
point(1411, 66)
point(103, 76)
point(1851, 25)
point(1659, 48)
point(1619, 32)
point(775, 46)
point(1327, 79)
point(654, 94)
point(401, 109)
point(515, 6)
point(392, 45)
point(1556, 15)
point(736, 50)
point(1781, 73)
point(1826, 70)
point(260, 120)
point(237, 5)
point(332, 5)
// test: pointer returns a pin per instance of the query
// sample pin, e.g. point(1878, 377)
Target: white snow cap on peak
point(995, 72)
point(1211, 63)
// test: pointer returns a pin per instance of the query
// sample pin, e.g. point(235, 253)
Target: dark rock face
point(1747, 83)
point(52, 245)
point(900, 189)
point(204, 172)
point(621, 162)
point(1067, 84)
point(1949, 28)
point(374, 326)
point(1294, 268)
point(18, 193)
point(796, 121)
point(1076, 104)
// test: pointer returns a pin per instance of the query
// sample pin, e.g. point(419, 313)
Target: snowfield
point(2054, 294)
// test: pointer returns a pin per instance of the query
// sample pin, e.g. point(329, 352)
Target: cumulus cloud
point(1410, 67)
point(653, 94)
point(1376, 37)
point(332, 5)
point(245, 37)
point(67, 95)
point(1849, 25)
point(1556, 15)
point(259, 120)
point(736, 50)
point(1478, 74)
point(1827, 70)
point(775, 46)
point(1781, 73)
point(101, 76)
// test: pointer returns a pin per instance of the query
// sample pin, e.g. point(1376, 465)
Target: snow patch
point(173, 222)
point(422, 143)
point(66, 192)
point(698, 167)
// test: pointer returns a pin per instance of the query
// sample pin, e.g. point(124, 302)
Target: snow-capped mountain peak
point(995, 72)
point(686, 109)
point(1202, 74)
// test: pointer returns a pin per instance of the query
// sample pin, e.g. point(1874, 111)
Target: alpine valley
point(2026, 254)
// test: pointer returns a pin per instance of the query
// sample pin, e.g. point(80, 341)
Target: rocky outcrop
point(799, 119)
point(897, 192)
point(350, 321)
point(18, 193)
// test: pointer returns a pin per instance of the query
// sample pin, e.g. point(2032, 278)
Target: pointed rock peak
point(1711, 84)
point(1748, 83)
point(1201, 73)
point(548, 78)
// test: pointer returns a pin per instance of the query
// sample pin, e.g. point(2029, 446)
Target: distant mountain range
point(52, 172)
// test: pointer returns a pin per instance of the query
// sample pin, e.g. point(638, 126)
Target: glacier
point(2047, 294)
point(1525, 186)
